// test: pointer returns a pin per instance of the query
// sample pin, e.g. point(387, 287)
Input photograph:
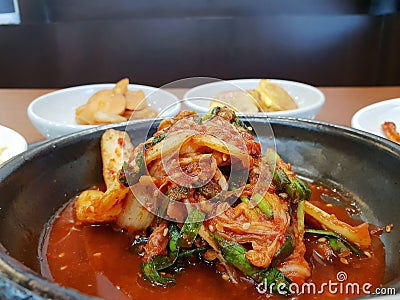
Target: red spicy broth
point(96, 260)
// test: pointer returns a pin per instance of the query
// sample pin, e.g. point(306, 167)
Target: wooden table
point(341, 103)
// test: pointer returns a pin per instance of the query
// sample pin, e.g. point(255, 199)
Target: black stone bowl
point(34, 185)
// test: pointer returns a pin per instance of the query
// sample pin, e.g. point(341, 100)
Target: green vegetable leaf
point(264, 205)
point(276, 281)
point(150, 274)
point(173, 237)
point(129, 175)
point(198, 250)
point(284, 251)
point(326, 233)
point(338, 246)
point(285, 179)
point(190, 228)
point(211, 114)
point(234, 253)
point(155, 140)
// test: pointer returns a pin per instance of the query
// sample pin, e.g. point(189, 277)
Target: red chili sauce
point(96, 260)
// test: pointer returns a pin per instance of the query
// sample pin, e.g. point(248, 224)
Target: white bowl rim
point(38, 118)
point(235, 82)
point(355, 120)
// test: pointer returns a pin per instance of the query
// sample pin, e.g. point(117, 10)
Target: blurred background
point(61, 43)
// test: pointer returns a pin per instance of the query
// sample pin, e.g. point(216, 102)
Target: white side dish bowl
point(53, 114)
point(370, 118)
point(11, 144)
point(308, 98)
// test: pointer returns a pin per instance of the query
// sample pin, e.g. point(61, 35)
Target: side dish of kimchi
point(390, 130)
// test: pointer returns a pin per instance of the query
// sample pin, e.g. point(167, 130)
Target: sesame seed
point(388, 228)
point(322, 240)
point(61, 255)
point(225, 277)
point(219, 227)
point(344, 261)
point(165, 232)
point(329, 205)
point(246, 226)
point(211, 228)
point(283, 195)
point(63, 268)
point(97, 254)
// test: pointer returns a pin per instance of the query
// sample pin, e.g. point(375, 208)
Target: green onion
point(198, 250)
point(155, 140)
point(338, 246)
point(285, 179)
point(326, 233)
point(191, 228)
point(150, 274)
point(235, 254)
point(264, 205)
point(284, 251)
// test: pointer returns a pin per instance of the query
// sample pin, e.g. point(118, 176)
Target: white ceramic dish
point(11, 144)
point(371, 117)
point(53, 114)
point(308, 98)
